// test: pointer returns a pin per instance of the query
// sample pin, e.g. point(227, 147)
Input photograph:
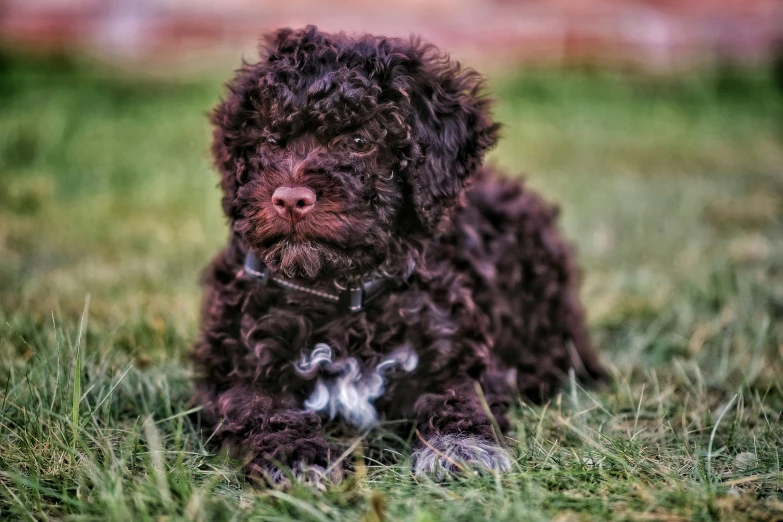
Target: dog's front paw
point(444, 454)
point(309, 474)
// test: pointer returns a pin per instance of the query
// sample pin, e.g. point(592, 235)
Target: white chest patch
point(343, 390)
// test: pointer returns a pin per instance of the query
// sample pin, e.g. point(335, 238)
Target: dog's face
point(335, 151)
point(321, 202)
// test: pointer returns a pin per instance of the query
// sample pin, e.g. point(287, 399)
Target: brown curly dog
point(375, 269)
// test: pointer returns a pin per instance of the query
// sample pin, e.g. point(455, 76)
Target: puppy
point(375, 270)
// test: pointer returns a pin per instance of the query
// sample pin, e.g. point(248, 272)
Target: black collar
point(352, 298)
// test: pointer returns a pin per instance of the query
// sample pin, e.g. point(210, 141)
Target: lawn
point(671, 188)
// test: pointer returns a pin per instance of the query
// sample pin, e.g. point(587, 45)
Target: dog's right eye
point(359, 145)
point(271, 140)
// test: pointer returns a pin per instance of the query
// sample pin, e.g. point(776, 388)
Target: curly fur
point(491, 292)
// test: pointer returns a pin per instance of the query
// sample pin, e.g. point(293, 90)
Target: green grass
point(671, 188)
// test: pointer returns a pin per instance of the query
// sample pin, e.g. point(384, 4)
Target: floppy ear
point(227, 152)
point(453, 130)
point(238, 119)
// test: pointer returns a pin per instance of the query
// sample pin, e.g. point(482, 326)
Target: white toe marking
point(438, 460)
point(312, 474)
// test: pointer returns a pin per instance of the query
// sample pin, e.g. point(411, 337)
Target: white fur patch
point(445, 452)
point(310, 474)
point(343, 390)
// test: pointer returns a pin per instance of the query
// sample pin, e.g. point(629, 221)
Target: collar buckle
point(352, 298)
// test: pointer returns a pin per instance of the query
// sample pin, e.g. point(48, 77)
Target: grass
point(672, 188)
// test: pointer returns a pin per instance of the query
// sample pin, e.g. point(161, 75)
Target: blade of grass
point(111, 390)
point(156, 458)
point(77, 373)
point(714, 431)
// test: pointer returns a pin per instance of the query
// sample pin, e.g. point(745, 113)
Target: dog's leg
point(271, 434)
point(457, 434)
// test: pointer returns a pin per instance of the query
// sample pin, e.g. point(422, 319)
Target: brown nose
point(293, 202)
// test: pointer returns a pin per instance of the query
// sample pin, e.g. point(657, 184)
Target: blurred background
point(657, 125)
point(653, 34)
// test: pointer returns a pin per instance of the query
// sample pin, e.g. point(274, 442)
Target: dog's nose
point(293, 202)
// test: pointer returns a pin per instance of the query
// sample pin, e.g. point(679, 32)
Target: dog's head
point(334, 150)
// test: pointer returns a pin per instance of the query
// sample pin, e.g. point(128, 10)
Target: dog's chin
point(311, 260)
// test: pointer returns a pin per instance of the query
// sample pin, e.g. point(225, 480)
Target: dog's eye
point(270, 140)
point(359, 145)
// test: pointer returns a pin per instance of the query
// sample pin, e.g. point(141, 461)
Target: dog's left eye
point(359, 145)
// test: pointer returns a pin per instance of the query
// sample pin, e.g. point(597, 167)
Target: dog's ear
point(233, 119)
point(237, 130)
point(228, 154)
point(452, 125)
point(239, 118)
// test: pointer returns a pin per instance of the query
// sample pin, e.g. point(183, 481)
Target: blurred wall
point(653, 34)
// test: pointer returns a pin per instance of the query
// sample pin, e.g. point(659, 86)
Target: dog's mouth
point(296, 236)
point(319, 246)
point(299, 258)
